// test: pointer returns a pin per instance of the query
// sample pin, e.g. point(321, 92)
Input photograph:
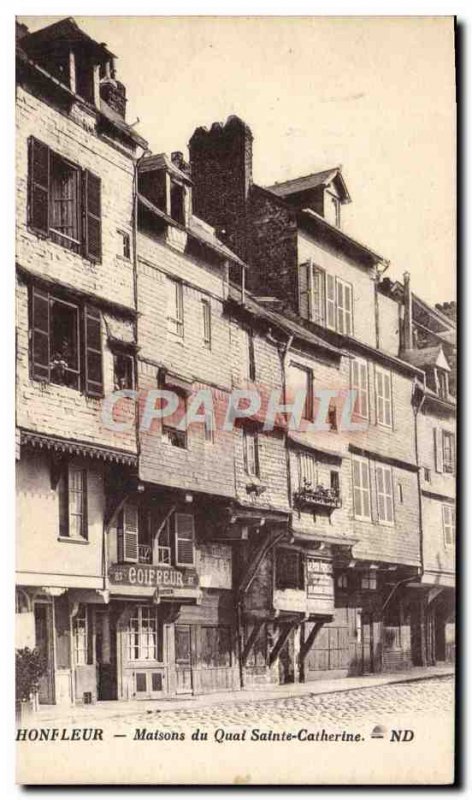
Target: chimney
point(221, 170)
point(177, 158)
point(408, 316)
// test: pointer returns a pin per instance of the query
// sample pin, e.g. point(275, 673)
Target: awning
point(55, 444)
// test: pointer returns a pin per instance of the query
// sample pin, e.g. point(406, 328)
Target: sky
point(373, 94)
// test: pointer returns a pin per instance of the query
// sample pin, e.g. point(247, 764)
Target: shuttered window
point(344, 307)
point(206, 324)
point(92, 216)
point(184, 540)
point(359, 382)
point(448, 452)
point(307, 473)
point(330, 302)
point(312, 292)
point(361, 487)
point(251, 453)
point(128, 533)
point(383, 390)
point(300, 380)
point(64, 201)
point(175, 307)
point(64, 350)
point(384, 493)
point(449, 525)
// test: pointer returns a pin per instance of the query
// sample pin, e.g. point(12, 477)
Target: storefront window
point(144, 635)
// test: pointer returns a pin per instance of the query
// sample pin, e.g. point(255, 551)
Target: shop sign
point(319, 578)
point(166, 579)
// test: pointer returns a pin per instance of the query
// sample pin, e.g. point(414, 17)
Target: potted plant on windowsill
point(30, 666)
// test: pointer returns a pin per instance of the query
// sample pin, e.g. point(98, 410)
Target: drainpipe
point(416, 410)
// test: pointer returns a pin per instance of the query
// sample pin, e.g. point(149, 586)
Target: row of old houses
point(161, 559)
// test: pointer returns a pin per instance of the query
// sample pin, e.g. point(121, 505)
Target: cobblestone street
point(418, 700)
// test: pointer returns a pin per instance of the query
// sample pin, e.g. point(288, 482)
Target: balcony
point(317, 498)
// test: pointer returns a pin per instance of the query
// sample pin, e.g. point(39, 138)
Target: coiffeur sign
point(163, 578)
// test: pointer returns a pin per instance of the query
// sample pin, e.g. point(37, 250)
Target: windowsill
point(46, 237)
point(72, 539)
point(362, 519)
point(384, 426)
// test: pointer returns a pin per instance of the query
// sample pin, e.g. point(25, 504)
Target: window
point(448, 452)
point(442, 384)
point(342, 581)
point(80, 636)
point(251, 453)
point(72, 489)
point(369, 580)
point(300, 380)
point(164, 548)
point(332, 416)
point(170, 430)
point(175, 307)
point(206, 323)
point(184, 540)
point(249, 359)
point(216, 646)
point(449, 525)
point(209, 426)
point(144, 635)
point(307, 471)
point(334, 481)
point(177, 202)
point(331, 209)
point(384, 493)
point(125, 245)
point(427, 474)
point(123, 370)
point(66, 344)
point(361, 485)
point(383, 387)
point(64, 201)
point(325, 299)
point(344, 307)
point(289, 569)
point(359, 382)
point(400, 492)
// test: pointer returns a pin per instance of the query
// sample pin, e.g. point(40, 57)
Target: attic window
point(442, 383)
point(332, 209)
point(177, 202)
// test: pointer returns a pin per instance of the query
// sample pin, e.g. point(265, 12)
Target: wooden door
point(367, 642)
point(183, 659)
point(105, 655)
point(44, 642)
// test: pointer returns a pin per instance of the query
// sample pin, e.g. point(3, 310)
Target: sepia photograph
point(236, 357)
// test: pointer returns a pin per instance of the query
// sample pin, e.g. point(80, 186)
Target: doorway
point(367, 642)
point(183, 659)
point(43, 627)
point(105, 655)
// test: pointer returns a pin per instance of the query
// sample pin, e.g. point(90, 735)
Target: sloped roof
point(427, 357)
point(162, 161)
point(308, 182)
point(65, 30)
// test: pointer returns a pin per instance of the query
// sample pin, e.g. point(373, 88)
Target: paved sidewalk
point(113, 708)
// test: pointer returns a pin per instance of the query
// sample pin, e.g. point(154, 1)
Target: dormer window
point(177, 202)
point(442, 384)
point(332, 209)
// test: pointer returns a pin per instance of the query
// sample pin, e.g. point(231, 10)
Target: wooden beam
point(256, 558)
point(308, 643)
point(251, 640)
point(284, 634)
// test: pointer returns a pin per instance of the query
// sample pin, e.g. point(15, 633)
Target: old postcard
point(236, 400)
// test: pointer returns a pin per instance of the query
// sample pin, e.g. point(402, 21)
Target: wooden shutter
point(184, 540)
point(93, 352)
point(330, 302)
point(92, 217)
point(128, 534)
point(438, 451)
point(40, 344)
point(303, 292)
point(348, 309)
point(38, 178)
point(319, 296)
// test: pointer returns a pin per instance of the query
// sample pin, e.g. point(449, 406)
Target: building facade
point(284, 542)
